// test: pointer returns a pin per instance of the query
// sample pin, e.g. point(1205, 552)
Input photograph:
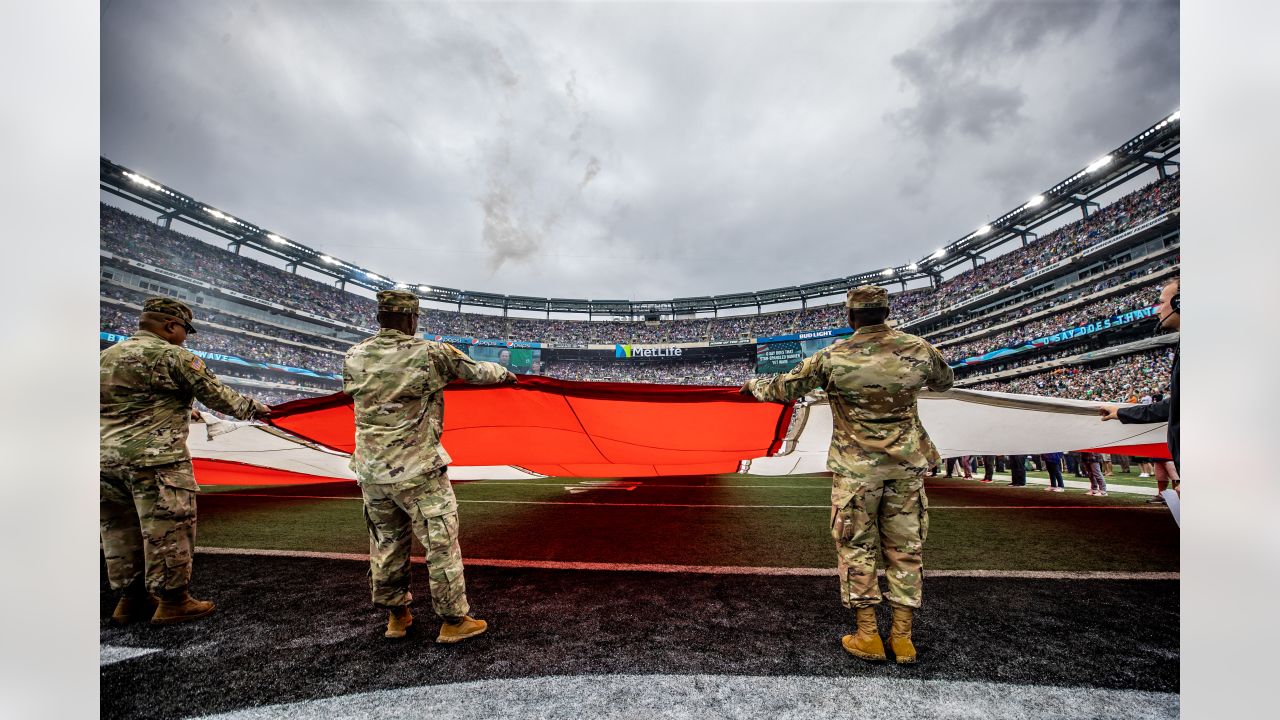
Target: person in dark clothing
point(1018, 468)
point(1053, 463)
point(1073, 464)
point(963, 462)
point(1166, 410)
point(988, 467)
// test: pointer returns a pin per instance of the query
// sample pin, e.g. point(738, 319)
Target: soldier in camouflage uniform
point(879, 453)
point(396, 381)
point(147, 384)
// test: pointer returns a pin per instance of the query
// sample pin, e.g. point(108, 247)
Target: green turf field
point(717, 520)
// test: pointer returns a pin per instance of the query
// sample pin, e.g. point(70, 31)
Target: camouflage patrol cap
point(171, 307)
point(401, 301)
point(867, 296)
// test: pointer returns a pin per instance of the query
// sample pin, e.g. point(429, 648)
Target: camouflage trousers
point(147, 521)
point(424, 507)
point(871, 517)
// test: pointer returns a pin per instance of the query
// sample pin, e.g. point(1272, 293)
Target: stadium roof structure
point(1156, 147)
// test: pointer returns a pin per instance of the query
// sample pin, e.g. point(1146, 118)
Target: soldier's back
point(873, 380)
point(390, 366)
point(395, 382)
point(142, 411)
point(878, 375)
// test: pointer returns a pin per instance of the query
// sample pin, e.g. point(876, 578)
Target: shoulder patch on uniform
point(196, 363)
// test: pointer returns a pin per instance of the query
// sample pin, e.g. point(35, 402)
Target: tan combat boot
point(135, 606)
point(398, 622)
point(178, 606)
point(866, 642)
point(458, 631)
point(900, 636)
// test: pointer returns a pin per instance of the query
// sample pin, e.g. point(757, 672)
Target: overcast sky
point(636, 151)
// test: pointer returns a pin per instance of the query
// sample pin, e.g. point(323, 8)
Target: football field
point(676, 597)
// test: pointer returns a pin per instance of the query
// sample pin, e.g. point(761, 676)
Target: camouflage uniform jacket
point(872, 379)
point(395, 381)
point(145, 390)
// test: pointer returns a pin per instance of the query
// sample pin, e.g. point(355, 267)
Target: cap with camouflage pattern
point(867, 296)
point(401, 301)
point(171, 307)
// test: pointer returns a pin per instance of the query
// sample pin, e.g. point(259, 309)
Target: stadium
point(643, 567)
point(646, 531)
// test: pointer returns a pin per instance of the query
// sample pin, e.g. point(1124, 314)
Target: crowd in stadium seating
point(1151, 201)
point(1022, 360)
point(967, 324)
point(131, 236)
point(1122, 379)
point(115, 320)
point(265, 395)
point(686, 372)
point(134, 237)
point(303, 383)
point(1097, 310)
point(207, 315)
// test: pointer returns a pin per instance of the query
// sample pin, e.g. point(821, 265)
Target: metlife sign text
point(630, 351)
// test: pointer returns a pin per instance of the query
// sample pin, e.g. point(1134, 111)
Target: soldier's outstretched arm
point(800, 381)
point(456, 364)
point(941, 377)
point(189, 371)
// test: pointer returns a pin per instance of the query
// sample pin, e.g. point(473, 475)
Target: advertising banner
point(522, 360)
point(806, 335)
point(1069, 334)
point(779, 357)
point(637, 351)
point(464, 341)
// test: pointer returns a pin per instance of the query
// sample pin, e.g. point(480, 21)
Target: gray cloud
point(959, 72)
point(624, 150)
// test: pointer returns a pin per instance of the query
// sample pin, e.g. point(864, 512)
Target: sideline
point(706, 505)
point(708, 569)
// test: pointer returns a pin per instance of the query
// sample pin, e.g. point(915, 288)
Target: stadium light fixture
point(1038, 199)
point(329, 260)
point(913, 267)
point(277, 239)
point(983, 230)
point(940, 253)
point(220, 215)
point(134, 177)
point(401, 286)
point(1098, 164)
point(424, 288)
point(1177, 114)
point(887, 272)
point(373, 276)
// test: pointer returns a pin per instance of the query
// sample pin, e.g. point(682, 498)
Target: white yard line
point(709, 569)
point(112, 654)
